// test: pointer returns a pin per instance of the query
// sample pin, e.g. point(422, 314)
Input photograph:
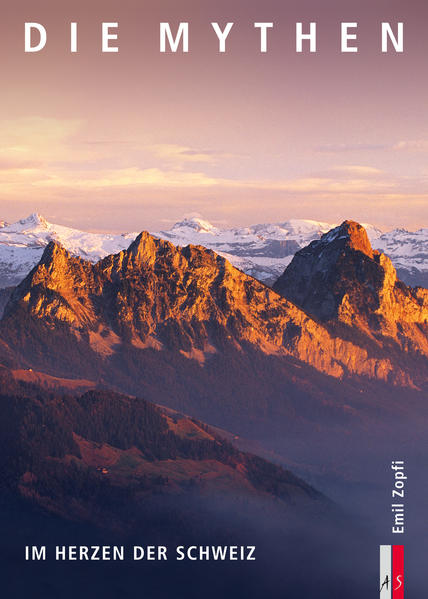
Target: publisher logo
point(391, 572)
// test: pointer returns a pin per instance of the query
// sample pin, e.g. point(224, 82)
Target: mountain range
point(262, 251)
point(136, 388)
point(185, 328)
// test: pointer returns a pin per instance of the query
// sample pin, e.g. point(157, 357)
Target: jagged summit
point(53, 249)
point(339, 267)
point(192, 301)
point(341, 278)
point(55, 256)
point(261, 250)
point(144, 246)
point(349, 233)
point(35, 220)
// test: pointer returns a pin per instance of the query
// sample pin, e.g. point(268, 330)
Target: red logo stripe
point(397, 572)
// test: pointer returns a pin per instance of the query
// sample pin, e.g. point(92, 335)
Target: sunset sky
point(137, 139)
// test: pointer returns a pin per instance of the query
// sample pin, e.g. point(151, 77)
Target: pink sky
point(137, 139)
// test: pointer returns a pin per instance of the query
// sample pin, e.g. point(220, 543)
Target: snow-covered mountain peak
point(300, 226)
point(22, 244)
point(196, 224)
point(34, 221)
point(333, 235)
point(300, 230)
point(261, 250)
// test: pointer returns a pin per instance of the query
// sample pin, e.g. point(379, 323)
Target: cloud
point(11, 164)
point(62, 143)
point(412, 145)
point(416, 145)
point(156, 178)
point(344, 147)
point(363, 171)
point(325, 185)
point(56, 143)
point(109, 142)
point(54, 160)
point(36, 137)
point(180, 156)
point(130, 177)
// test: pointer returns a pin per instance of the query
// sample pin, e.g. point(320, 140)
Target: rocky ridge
point(155, 295)
point(340, 277)
point(262, 250)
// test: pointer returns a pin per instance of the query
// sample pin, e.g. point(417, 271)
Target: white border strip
point(385, 571)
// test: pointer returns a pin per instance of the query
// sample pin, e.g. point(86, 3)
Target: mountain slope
point(86, 457)
point(188, 300)
point(104, 470)
point(183, 328)
point(341, 278)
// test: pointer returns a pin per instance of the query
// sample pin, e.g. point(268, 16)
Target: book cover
point(213, 299)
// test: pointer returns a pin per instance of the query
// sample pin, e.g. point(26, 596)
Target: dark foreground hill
point(103, 469)
point(106, 469)
point(101, 457)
